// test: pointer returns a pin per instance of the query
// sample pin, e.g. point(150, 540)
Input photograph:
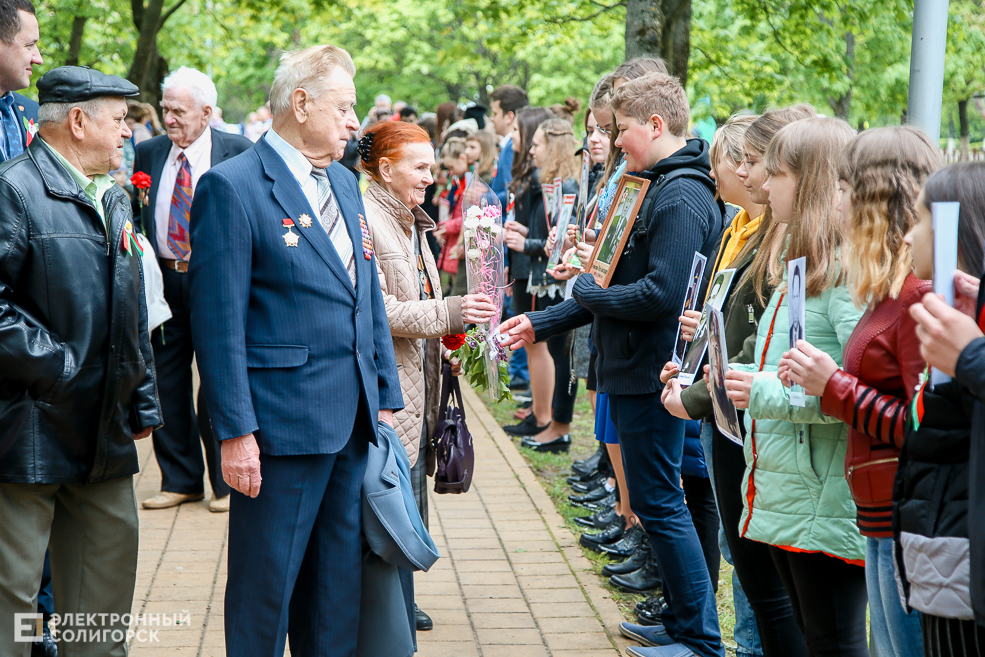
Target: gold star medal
point(305, 221)
point(290, 237)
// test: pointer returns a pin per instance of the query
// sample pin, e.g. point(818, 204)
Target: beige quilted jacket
point(412, 321)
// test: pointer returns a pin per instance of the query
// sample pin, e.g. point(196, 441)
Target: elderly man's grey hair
point(308, 69)
point(197, 83)
point(57, 113)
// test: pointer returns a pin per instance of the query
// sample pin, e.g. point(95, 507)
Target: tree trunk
point(75, 40)
point(842, 105)
point(676, 42)
point(660, 28)
point(147, 68)
point(965, 129)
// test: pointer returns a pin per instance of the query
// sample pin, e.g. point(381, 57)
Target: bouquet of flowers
point(476, 351)
point(485, 273)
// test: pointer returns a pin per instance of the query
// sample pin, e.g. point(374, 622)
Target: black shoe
point(585, 466)
point(424, 622)
point(598, 493)
point(605, 502)
point(591, 484)
point(600, 519)
point(527, 427)
point(610, 534)
point(46, 647)
point(580, 479)
point(634, 562)
point(650, 612)
point(644, 580)
point(559, 444)
point(628, 544)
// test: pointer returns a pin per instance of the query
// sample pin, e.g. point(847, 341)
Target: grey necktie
point(332, 221)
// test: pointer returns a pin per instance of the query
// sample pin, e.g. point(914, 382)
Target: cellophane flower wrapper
point(486, 274)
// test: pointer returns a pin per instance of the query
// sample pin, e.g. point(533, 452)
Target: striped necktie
point(181, 205)
point(333, 223)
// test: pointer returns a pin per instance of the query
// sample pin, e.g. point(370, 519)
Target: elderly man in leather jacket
point(77, 381)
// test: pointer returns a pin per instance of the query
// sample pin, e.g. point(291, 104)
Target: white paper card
point(796, 291)
point(945, 261)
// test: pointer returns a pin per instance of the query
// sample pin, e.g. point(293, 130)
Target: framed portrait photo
point(615, 231)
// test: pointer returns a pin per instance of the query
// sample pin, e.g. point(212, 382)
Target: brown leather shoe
point(219, 504)
point(166, 499)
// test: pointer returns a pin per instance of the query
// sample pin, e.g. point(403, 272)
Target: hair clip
point(365, 146)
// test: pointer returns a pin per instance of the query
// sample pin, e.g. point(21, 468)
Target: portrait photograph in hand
point(726, 417)
point(699, 343)
point(615, 231)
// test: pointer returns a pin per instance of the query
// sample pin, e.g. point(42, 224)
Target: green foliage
point(472, 354)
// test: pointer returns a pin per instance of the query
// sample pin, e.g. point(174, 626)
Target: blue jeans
point(894, 632)
point(652, 443)
point(745, 633)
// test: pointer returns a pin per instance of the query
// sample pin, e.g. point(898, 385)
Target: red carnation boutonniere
point(454, 341)
point(141, 181)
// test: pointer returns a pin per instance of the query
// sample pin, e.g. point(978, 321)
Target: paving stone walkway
point(512, 581)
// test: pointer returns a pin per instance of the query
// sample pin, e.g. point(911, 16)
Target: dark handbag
point(453, 448)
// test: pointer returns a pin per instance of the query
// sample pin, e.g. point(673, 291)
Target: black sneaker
point(600, 519)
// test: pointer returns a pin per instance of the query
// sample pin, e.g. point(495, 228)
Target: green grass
point(554, 469)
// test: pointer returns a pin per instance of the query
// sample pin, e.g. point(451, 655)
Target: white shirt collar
point(195, 150)
point(505, 140)
point(298, 164)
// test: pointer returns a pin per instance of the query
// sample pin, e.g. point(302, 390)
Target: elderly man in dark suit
point(297, 362)
point(76, 365)
point(175, 163)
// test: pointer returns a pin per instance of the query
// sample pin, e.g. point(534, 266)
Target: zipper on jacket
point(852, 469)
point(752, 313)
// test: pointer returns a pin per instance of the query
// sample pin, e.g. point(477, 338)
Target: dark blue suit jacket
point(26, 111)
point(285, 346)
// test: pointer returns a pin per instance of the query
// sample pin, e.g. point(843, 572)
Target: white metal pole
point(926, 92)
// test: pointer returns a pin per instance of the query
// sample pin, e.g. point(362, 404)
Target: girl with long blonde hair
point(795, 495)
point(881, 174)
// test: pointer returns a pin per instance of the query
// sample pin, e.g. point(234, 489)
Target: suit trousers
point(295, 556)
point(177, 444)
point(92, 533)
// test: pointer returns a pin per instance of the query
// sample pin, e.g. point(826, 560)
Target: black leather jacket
point(77, 372)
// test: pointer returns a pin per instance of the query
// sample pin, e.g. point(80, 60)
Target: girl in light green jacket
point(795, 495)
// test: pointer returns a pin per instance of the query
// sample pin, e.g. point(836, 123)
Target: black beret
point(477, 112)
point(72, 84)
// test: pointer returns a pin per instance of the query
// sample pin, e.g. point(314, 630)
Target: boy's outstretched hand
point(516, 333)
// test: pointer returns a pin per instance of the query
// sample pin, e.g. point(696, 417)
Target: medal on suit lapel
point(290, 237)
point(305, 221)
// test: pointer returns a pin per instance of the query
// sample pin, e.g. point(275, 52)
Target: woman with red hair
point(398, 158)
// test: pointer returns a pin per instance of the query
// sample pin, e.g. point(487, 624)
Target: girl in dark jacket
point(882, 172)
point(932, 488)
point(552, 152)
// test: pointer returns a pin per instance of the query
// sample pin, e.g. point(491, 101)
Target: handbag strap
point(446, 378)
point(456, 389)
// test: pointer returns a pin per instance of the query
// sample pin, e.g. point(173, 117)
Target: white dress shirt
point(199, 156)
point(300, 167)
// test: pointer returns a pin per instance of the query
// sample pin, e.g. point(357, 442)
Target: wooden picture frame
point(615, 231)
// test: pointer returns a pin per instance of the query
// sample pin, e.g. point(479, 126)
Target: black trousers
point(829, 600)
point(559, 347)
point(950, 637)
point(704, 514)
point(178, 444)
point(778, 629)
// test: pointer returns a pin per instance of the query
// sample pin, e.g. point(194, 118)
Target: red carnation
point(140, 180)
point(453, 342)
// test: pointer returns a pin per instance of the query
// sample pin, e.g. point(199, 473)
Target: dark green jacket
point(742, 311)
